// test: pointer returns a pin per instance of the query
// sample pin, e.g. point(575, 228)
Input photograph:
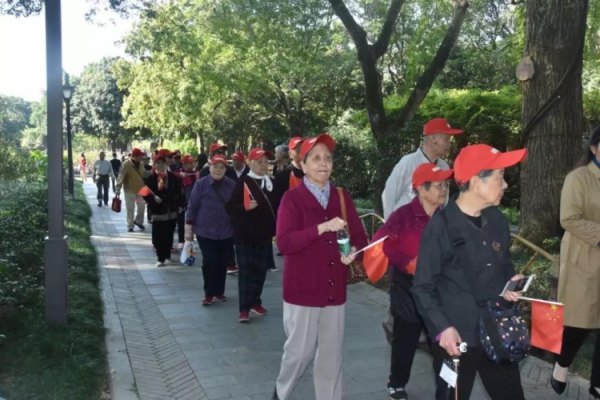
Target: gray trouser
point(312, 332)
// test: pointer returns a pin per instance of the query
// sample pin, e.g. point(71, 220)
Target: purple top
point(206, 211)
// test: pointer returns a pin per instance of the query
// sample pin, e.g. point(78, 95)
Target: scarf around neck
point(266, 181)
point(162, 179)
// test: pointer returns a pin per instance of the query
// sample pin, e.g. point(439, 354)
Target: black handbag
point(503, 335)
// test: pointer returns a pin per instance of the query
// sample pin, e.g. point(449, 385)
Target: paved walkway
point(163, 344)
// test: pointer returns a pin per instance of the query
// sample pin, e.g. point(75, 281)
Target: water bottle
point(343, 239)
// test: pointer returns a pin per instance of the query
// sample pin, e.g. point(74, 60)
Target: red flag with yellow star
point(547, 326)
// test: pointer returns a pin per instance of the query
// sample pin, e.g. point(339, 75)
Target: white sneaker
point(171, 261)
point(160, 264)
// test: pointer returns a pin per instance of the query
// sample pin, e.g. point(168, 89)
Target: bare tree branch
point(383, 41)
point(437, 65)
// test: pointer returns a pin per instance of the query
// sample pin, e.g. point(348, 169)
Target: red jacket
point(313, 274)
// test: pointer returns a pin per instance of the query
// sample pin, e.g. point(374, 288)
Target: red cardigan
point(313, 274)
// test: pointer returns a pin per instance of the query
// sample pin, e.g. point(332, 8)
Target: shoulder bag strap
point(343, 206)
point(266, 198)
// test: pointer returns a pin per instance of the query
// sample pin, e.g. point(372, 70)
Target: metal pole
point(69, 142)
point(55, 270)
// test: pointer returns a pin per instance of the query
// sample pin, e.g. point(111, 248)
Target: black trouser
point(271, 259)
point(162, 238)
point(181, 227)
point(252, 261)
point(102, 182)
point(573, 339)
point(501, 381)
point(407, 329)
point(214, 264)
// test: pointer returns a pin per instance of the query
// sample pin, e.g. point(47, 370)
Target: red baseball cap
point(480, 157)
point(238, 155)
point(187, 159)
point(440, 125)
point(137, 153)
point(218, 158)
point(165, 153)
point(159, 157)
point(216, 146)
point(295, 141)
point(309, 143)
point(176, 153)
point(429, 172)
point(257, 153)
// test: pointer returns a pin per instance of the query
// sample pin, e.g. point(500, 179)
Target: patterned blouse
point(321, 194)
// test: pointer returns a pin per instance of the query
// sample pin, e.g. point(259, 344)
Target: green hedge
point(38, 361)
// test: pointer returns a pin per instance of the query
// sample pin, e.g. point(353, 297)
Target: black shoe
point(129, 229)
point(559, 387)
point(594, 393)
point(275, 397)
point(106, 203)
point(142, 227)
point(397, 393)
point(100, 204)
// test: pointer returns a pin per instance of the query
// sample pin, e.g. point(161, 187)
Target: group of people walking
point(448, 256)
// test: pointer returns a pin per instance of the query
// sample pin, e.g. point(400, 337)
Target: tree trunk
point(200, 142)
point(554, 38)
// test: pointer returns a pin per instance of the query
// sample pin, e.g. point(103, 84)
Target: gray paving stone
point(177, 349)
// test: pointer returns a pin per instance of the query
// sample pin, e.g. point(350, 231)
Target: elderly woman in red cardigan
point(315, 274)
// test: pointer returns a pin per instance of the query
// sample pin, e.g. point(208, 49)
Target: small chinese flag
point(547, 326)
point(294, 181)
point(145, 191)
point(247, 197)
point(374, 260)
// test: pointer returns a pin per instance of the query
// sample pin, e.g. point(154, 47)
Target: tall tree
point(552, 110)
point(96, 105)
point(14, 118)
point(370, 51)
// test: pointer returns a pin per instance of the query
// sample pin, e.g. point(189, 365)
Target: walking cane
point(462, 347)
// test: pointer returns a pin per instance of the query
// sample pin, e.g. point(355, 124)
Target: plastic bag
point(188, 254)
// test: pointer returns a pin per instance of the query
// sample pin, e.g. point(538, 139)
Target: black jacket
point(244, 173)
point(282, 180)
point(257, 225)
point(172, 197)
point(229, 172)
point(441, 288)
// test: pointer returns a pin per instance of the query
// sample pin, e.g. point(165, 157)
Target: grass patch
point(42, 362)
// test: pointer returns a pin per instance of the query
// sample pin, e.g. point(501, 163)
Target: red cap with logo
point(480, 157)
point(257, 153)
point(165, 153)
point(295, 141)
point(217, 146)
point(159, 157)
point(218, 158)
point(309, 143)
point(429, 172)
point(440, 125)
point(137, 153)
point(239, 156)
point(187, 159)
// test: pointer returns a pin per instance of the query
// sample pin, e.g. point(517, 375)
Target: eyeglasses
point(441, 185)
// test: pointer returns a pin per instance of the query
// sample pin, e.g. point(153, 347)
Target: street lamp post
point(55, 251)
point(67, 94)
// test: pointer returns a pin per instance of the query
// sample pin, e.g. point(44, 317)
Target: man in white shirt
point(101, 175)
point(437, 135)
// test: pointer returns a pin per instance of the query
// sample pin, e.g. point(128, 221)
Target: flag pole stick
point(371, 245)
point(541, 301)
